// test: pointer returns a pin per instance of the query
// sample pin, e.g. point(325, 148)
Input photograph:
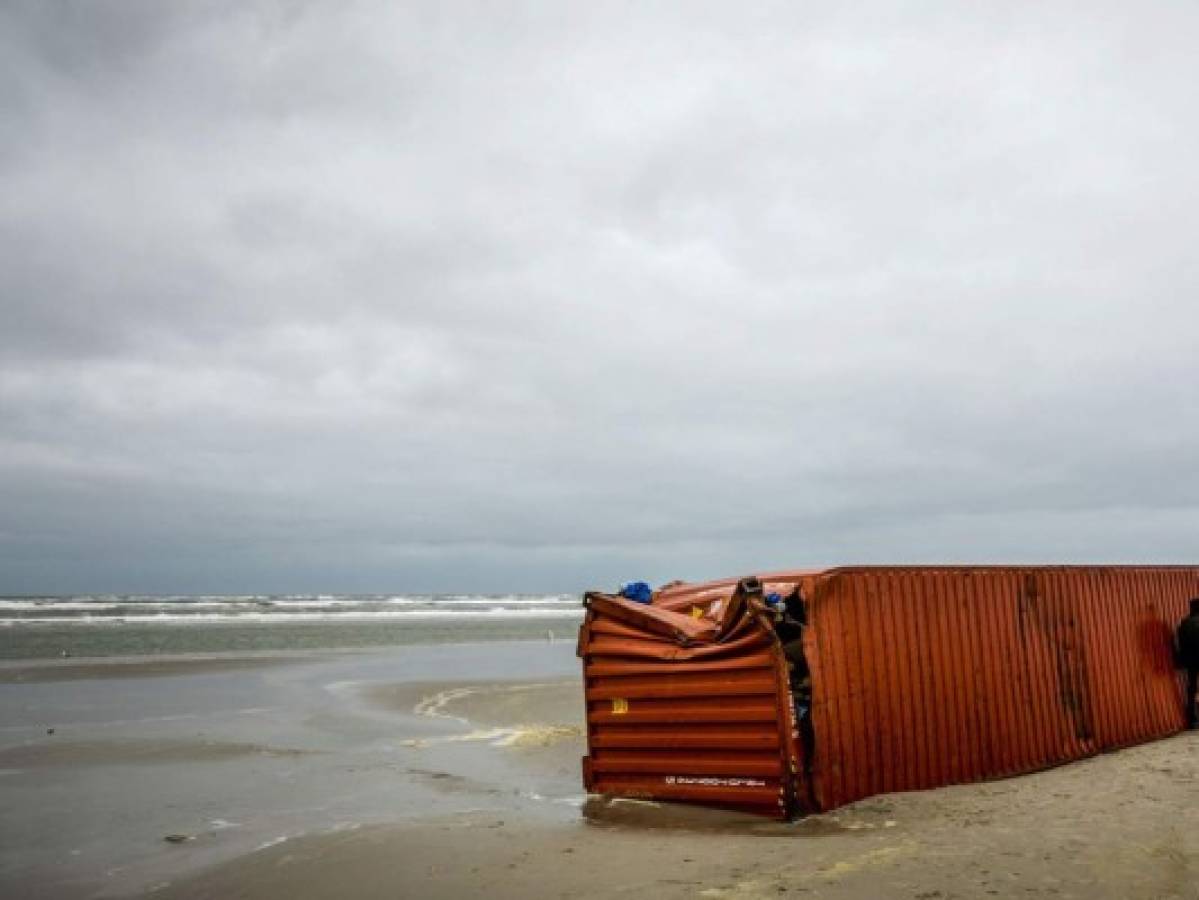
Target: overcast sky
point(380, 297)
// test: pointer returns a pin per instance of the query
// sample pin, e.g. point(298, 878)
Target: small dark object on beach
point(177, 838)
point(49, 731)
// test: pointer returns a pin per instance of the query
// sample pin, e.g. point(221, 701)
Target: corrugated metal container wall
point(686, 714)
point(920, 677)
point(924, 677)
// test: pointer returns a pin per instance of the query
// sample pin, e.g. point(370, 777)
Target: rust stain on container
point(919, 677)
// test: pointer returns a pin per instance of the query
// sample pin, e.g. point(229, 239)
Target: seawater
point(127, 625)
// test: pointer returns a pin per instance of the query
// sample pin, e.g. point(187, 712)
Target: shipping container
point(802, 691)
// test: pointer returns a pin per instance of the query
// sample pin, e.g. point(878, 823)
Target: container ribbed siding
point(920, 677)
point(929, 677)
point(705, 723)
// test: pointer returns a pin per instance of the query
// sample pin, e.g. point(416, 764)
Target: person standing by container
point(1188, 656)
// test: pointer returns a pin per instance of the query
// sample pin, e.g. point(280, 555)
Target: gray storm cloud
point(327, 296)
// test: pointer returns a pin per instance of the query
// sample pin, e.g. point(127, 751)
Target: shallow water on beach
point(99, 770)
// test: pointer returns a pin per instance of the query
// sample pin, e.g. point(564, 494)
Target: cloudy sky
point(377, 296)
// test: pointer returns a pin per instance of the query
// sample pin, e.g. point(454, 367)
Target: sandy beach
point(371, 774)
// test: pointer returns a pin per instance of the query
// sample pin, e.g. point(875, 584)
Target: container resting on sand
point(890, 679)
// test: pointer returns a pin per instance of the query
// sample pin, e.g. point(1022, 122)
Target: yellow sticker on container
point(620, 706)
point(697, 612)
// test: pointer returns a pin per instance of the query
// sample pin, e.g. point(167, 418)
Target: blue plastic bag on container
point(637, 591)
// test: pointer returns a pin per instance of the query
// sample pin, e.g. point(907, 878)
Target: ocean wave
point(265, 617)
point(249, 607)
point(90, 605)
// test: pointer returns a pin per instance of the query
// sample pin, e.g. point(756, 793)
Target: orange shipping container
point(917, 677)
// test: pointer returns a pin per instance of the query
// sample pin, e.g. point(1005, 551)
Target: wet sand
point(50, 754)
point(126, 667)
point(1120, 826)
point(375, 776)
point(227, 755)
